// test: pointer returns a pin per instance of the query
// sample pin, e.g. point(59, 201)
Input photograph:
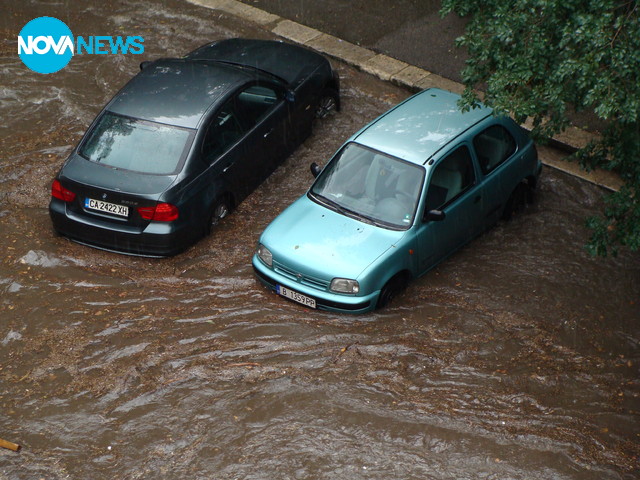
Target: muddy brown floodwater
point(517, 358)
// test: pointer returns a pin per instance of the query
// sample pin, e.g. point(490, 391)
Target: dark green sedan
point(185, 141)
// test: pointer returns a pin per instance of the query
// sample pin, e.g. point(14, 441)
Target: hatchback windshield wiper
point(339, 208)
point(352, 214)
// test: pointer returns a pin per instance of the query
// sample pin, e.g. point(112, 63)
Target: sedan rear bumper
point(157, 240)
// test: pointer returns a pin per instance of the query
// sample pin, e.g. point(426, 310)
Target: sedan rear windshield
point(370, 186)
point(136, 145)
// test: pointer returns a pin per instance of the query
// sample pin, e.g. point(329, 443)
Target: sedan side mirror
point(315, 169)
point(434, 215)
point(290, 96)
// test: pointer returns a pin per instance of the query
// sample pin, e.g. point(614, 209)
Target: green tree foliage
point(544, 58)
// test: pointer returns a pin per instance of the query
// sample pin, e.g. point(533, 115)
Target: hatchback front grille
point(300, 278)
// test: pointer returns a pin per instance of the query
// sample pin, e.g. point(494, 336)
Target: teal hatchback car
point(401, 195)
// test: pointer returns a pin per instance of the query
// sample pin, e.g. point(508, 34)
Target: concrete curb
point(400, 73)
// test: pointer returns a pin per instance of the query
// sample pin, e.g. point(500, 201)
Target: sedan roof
point(422, 125)
point(289, 62)
point(176, 91)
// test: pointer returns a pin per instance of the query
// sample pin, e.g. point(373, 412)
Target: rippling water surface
point(515, 359)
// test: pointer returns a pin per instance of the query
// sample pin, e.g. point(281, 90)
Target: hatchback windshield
point(136, 145)
point(371, 186)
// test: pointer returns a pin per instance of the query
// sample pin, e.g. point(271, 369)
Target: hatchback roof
point(177, 92)
point(420, 126)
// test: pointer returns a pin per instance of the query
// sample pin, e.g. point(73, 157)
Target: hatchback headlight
point(264, 254)
point(344, 285)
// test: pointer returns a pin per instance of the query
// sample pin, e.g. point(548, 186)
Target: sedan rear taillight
point(61, 193)
point(162, 212)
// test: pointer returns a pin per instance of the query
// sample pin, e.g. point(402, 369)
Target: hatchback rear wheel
point(521, 196)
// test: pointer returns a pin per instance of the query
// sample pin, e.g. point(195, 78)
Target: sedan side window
point(493, 146)
point(255, 102)
point(224, 131)
point(451, 177)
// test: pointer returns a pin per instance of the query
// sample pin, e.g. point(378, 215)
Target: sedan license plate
point(295, 296)
point(107, 207)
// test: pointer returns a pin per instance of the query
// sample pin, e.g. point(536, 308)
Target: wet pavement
point(517, 358)
point(409, 30)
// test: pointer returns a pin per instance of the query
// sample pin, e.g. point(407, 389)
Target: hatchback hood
point(80, 170)
point(313, 240)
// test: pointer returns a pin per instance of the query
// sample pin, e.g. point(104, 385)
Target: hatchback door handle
point(224, 170)
point(267, 134)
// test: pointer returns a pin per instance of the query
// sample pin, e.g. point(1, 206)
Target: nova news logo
point(46, 45)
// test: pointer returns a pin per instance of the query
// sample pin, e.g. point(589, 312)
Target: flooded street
point(517, 358)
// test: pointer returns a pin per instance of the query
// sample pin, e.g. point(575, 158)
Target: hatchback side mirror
point(434, 215)
point(315, 169)
point(290, 96)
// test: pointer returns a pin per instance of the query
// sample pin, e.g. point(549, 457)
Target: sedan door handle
point(267, 134)
point(224, 170)
point(477, 199)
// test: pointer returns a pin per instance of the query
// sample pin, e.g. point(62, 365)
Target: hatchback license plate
point(107, 207)
point(295, 296)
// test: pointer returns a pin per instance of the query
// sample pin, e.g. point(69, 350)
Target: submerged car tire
point(391, 289)
point(521, 196)
point(327, 104)
point(221, 208)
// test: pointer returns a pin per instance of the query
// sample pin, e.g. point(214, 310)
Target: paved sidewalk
point(396, 71)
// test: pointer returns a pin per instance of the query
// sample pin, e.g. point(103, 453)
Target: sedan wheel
point(328, 104)
point(220, 210)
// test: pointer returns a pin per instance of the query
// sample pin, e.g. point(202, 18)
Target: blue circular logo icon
point(45, 45)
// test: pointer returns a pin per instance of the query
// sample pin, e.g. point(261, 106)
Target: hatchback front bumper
point(324, 300)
